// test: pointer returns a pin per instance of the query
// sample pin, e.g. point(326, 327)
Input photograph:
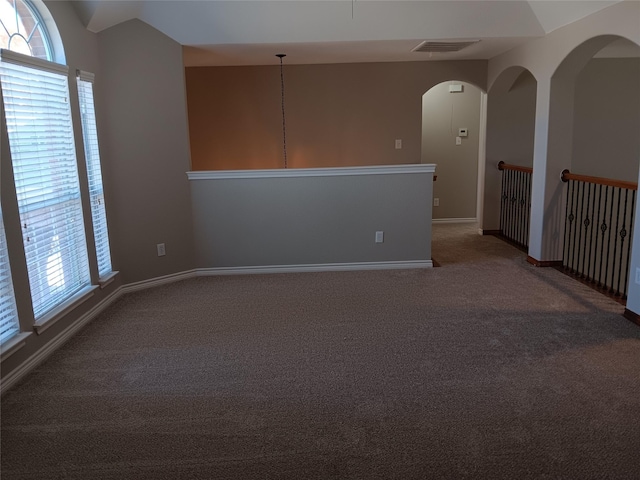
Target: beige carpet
point(484, 368)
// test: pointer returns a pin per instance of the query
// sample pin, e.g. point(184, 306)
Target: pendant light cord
point(284, 124)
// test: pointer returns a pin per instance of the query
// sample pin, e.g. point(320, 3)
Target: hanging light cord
point(284, 125)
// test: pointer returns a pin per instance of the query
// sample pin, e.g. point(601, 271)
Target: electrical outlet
point(161, 250)
point(436, 202)
point(638, 276)
point(379, 237)
point(398, 144)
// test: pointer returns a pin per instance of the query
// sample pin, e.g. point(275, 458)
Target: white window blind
point(8, 315)
point(38, 116)
point(94, 171)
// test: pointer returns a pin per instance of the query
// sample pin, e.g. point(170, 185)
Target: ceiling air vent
point(431, 47)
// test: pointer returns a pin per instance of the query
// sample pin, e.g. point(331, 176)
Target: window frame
point(95, 184)
point(74, 263)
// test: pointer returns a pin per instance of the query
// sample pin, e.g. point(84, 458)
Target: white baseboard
point(32, 362)
point(454, 220)
point(154, 282)
point(318, 267)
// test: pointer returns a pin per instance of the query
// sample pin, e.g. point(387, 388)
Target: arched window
point(22, 30)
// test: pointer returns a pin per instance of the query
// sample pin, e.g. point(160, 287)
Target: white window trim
point(62, 310)
point(20, 59)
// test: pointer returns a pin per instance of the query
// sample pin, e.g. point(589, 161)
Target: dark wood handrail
point(567, 175)
point(516, 168)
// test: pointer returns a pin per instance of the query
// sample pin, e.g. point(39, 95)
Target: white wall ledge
point(313, 172)
point(64, 309)
point(107, 279)
point(13, 344)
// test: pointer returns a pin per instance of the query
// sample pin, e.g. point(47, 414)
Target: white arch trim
point(52, 31)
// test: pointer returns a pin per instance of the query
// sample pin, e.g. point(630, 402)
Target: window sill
point(13, 344)
point(62, 310)
point(107, 279)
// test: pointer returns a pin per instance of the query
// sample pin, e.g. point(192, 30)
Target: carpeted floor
point(484, 368)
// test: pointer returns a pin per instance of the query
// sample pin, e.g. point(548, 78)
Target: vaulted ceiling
point(240, 32)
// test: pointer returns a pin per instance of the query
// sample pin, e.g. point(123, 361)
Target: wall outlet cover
point(436, 202)
point(379, 237)
point(161, 250)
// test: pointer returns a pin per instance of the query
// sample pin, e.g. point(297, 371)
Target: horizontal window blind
point(94, 172)
point(39, 126)
point(8, 315)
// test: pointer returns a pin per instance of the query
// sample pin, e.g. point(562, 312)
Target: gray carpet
point(484, 368)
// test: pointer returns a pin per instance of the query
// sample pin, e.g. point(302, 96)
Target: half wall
point(313, 219)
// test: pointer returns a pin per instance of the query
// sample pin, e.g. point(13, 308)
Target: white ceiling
point(243, 32)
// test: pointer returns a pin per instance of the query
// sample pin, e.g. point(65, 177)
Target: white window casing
point(94, 172)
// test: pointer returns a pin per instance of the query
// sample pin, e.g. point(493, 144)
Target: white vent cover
point(431, 47)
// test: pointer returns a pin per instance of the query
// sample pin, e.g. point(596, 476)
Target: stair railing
point(515, 203)
point(598, 228)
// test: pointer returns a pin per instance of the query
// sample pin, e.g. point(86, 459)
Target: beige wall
point(511, 118)
point(337, 115)
point(443, 113)
point(606, 132)
point(146, 151)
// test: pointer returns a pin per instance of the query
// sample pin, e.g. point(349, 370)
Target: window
point(22, 30)
point(8, 315)
point(39, 126)
point(94, 173)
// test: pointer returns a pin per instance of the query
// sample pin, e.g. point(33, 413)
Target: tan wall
point(337, 115)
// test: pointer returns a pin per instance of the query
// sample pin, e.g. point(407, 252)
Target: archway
point(594, 120)
point(453, 134)
point(511, 114)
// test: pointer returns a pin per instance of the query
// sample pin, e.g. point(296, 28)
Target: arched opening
point(453, 121)
point(511, 115)
point(607, 113)
point(594, 119)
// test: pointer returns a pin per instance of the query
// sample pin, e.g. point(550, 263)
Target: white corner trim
point(12, 345)
point(154, 282)
point(454, 220)
point(41, 355)
point(313, 172)
point(318, 267)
